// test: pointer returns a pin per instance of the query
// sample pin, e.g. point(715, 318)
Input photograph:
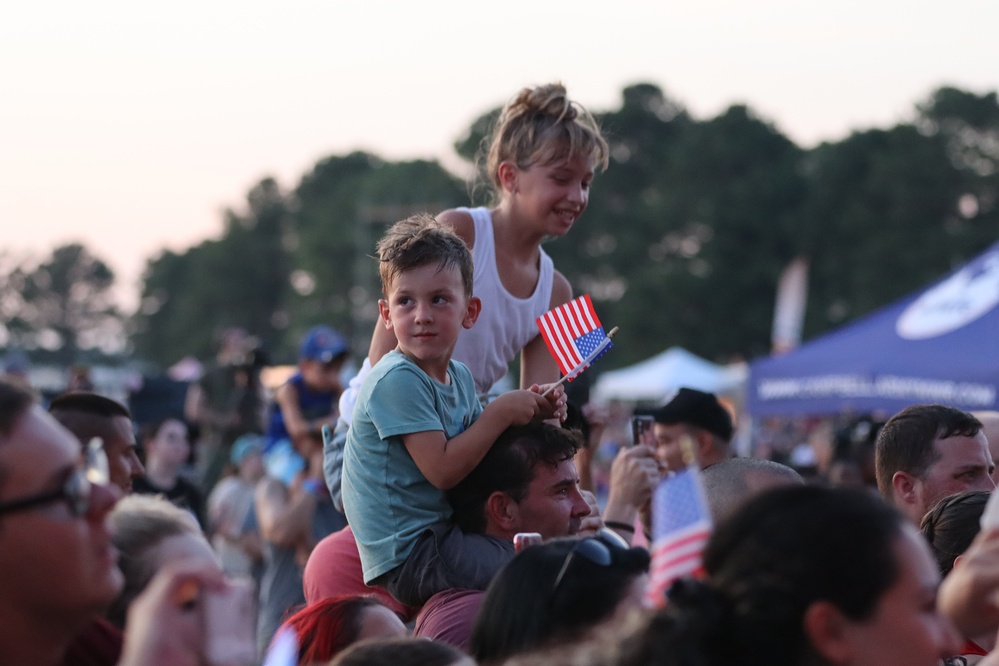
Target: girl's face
point(170, 442)
point(906, 629)
point(551, 196)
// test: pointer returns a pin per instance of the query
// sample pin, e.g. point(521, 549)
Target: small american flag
point(573, 332)
point(681, 525)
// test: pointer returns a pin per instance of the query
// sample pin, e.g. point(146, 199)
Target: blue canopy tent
point(940, 345)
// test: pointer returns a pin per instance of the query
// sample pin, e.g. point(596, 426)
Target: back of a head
point(777, 555)
point(905, 443)
point(541, 126)
point(731, 483)
point(951, 526)
point(400, 652)
point(327, 627)
point(420, 240)
point(138, 523)
point(529, 605)
point(508, 467)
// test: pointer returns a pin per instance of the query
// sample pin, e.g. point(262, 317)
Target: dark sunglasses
point(598, 550)
point(75, 492)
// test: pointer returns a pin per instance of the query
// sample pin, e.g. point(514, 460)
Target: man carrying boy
point(418, 428)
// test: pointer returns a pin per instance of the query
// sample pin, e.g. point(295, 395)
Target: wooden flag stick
point(586, 361)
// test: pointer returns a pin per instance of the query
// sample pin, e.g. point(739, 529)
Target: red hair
point(327, 626)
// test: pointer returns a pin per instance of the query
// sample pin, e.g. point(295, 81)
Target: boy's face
point(426, 308)
point(321, 376)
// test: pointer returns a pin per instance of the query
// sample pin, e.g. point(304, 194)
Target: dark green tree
point(64, 305)
point(343, 206)
point(241, 279)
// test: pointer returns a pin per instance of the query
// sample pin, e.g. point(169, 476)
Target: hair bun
point(549, 100)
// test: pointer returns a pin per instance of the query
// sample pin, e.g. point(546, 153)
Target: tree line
point(683, 242)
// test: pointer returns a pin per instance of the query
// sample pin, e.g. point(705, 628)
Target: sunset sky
point(129, 126)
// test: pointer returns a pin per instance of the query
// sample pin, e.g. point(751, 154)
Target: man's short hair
point(905, 443)
point(420, 240)
point(85, 402)
point(699, 409)
point(509, 467)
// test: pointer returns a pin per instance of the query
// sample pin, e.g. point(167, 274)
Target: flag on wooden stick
point(681, 525)
point(574, 335)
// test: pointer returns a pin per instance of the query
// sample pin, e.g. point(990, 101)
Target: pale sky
point(130, 125)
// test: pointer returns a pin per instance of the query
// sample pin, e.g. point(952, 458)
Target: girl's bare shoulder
point(461, 222)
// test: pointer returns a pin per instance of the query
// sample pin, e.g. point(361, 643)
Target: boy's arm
point(285, 518)
point(445, 462)
point(299, 428)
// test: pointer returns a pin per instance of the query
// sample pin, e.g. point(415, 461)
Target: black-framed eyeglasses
point(75, 492)
point(598, 550)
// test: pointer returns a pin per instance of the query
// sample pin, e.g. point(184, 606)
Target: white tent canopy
point(653, 379)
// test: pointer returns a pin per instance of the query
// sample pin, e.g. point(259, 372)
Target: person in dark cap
point(698, 415)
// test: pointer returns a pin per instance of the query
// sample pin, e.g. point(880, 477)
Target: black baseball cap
point(697, 408)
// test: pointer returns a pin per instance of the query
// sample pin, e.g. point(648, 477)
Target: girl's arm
point(536, 363)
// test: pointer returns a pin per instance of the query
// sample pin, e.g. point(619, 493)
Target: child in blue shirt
point(418, 427)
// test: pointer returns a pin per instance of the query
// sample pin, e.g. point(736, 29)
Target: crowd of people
point(414, 517)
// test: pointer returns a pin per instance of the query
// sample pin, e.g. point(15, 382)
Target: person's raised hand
point(969, 595)
point(165, 623)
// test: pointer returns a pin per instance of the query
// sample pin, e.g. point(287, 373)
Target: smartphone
point(522, 540)
point(641, 429)
point(230, 625)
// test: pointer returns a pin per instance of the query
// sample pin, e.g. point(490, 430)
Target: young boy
point(305, 403)
point(418, 427)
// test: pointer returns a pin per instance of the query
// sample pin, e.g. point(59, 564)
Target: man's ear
point(904, 487)
point(828, 632)
point(383, 313)
point(502, 512)
point(472, 313)
point(705, 444)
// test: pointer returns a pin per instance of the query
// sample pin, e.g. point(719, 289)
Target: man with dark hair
point(928, 452)
point(527, 482)
point(89, 415)
point(696, 415)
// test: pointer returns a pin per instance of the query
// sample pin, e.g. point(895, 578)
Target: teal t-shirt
point(388, 501)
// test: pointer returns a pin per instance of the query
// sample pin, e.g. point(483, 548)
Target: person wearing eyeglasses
point(57, 562)
point(59, 567)
point(557, 592)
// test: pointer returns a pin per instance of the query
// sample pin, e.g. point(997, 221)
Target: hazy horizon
point(131, 127)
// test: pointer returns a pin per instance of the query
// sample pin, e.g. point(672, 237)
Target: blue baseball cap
point(322, 344)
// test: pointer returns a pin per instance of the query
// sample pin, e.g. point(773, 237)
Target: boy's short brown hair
point(420, 240)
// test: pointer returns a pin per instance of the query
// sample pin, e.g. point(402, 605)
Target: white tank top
point(506, 323)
